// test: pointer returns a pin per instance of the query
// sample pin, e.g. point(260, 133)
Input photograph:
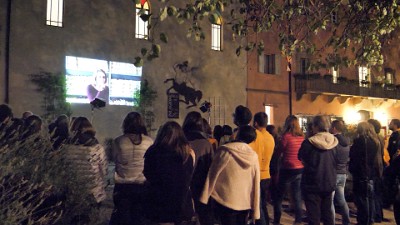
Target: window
point(216, 35)
point(389, 76)
point(269, 63)
point(335, 74)
point(334, 17)
point(142, 30)
point(363, 76)
point(269, 110)
point(54, 15)
point(304, 65)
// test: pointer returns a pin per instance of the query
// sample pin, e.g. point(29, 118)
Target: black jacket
point(342, 154)
point(363, 159)
point(318, 157)
point(167, 194)
point(393, 143)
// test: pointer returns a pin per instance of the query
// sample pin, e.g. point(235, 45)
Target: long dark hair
point(193, 122)
point(171, 137)
point(133, 124)
point(292, 126)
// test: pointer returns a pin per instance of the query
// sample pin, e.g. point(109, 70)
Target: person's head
point(218, 132)
point(193, 122)
point(32, 125)
point(207, 127)
point(376, 124)
point(365, 129)
point(26, 114)
point(242, 116)
point(394, 124)
point(227, 130)
point(337, 127)
point(5, 113)
point(171, 137)
point(272, 130)
point(100, 77)
point(260, 120)
point(246, 134)
point(320, 123)
point(60, 125)
point(292, 126)
point(82, 125)
point(134, 124)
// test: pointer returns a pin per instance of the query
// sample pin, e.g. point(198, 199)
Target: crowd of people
point(226, 175)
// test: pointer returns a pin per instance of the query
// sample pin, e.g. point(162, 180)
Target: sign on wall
point(173, 105)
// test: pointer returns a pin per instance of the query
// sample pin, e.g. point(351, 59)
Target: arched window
point(142, 30)
point(216, 35)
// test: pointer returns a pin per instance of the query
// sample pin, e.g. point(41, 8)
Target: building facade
point(38, 36)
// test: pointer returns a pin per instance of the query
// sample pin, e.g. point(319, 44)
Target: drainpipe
point(7, 53)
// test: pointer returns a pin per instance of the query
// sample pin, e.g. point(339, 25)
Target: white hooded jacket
point(233, 179)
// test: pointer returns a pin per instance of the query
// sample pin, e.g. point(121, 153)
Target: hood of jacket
point(343, 140)
point(324, 140)
point(242, 153)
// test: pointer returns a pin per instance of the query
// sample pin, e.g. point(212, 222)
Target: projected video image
point(114, 82)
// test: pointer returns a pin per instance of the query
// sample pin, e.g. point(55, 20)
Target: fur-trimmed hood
point(324, 140)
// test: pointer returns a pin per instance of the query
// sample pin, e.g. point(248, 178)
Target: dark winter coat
point(342, 154)
point(318, 157)
point(167, 194)
point(363, 159)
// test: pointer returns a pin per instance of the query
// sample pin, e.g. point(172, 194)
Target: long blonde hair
point(365, 129)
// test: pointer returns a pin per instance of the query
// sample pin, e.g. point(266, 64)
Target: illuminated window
point(54, 13)
point(216, 35)
point(141, 29)
point(269, 64)
point(389, 75)
point(269, 110)
point(363, 76)
point(335, 74)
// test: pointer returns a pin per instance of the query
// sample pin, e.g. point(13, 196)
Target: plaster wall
point(105, 30)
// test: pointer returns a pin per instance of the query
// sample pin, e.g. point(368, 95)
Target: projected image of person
point(99, 87)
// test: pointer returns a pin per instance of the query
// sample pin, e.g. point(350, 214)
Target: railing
point(344, 88)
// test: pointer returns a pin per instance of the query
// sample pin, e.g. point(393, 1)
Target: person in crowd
point(208, 131)
point(26, 114)
point(263, 145)
point(31, 127)
point(218, 133)
point(99, 87)
point(378, 181)
point(5, 116)
point(233, 180)
point(59, 131)
point(394, 139)
point(128, 151)
point(318, 182)
point(364, 168)
point(88, 158)
point(392, 173)
point(193, 127)
point(12, 133)
point(168, 168)
point(342, 161)
point(275, 160)
point(241, 117)
point(227, 134)
point(291, 168)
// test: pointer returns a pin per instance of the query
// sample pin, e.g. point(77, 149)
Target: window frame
point(55, 13)
point(216, 35)
point(141, 27)
point(269, 64)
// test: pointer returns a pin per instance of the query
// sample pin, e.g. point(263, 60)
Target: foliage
point(145, 97)
point(37, 186)
point(53, 88)
point(349, 32)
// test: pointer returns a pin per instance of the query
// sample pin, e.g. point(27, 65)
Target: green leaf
point(156, 49)
point(213, 18)
point(138, 62)
point(220, 7)
point(164, 38)
point(163, 14)
point(172, 11)
point(143, 51)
